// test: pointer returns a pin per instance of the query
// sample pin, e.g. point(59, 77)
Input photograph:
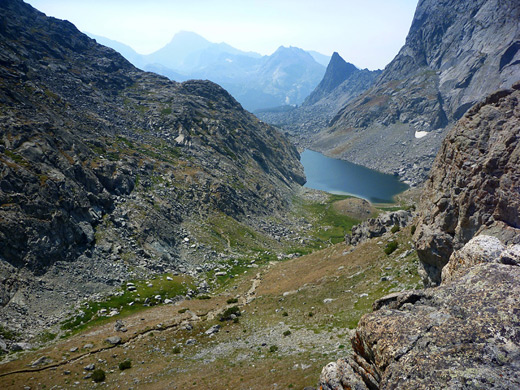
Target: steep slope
point(473, 187)
point(102, 165)
point(337, 72)
point(341, 83)
point(455, 54)
point(464, 333)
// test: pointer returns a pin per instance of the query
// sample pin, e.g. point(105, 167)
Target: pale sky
point(367, 33)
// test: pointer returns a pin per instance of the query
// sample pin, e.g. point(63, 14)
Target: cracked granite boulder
point(461, 335)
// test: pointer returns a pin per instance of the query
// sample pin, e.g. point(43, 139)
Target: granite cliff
point(456, 53)
point(103, 165)
point(464, 333)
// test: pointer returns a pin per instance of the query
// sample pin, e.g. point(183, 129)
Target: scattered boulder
point(114, 340)
point(90, 367)
point(214, 329)
point(120, 326)
point(376, 227)
point(41, 361)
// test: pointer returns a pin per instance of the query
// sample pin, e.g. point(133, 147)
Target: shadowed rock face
point(464, 333)
point(474, 183)
point(88, 140)
point(456, 53)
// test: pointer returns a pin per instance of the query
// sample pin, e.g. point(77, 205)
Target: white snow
point(420, 134)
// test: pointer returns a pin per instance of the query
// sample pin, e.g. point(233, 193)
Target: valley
point(155, 234)
point(293, 320)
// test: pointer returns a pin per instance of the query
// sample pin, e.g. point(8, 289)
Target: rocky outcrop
point(473, 187)
point(101, 163)
point(376, 227)
point(464, 333)
point(456, 53)
point(460, 335)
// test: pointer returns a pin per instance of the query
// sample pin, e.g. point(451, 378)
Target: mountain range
point(287, 76)
point(455, 54)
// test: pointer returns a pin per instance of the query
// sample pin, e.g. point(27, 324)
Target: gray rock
point(114, 340)
point(470, 188)
point(90, 367)
point(191, 342)
point(480, 249)
point(214, 329)
point(409, 342)
point(21, 347)
point(41, 361)
point(376, 227)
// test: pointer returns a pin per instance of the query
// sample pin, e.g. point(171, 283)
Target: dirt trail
point(190, 317)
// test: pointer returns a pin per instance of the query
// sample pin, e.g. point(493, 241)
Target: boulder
point(114, 340)
point(376, 227)
point(463, 334)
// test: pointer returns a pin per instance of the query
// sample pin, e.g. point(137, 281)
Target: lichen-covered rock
point(474, 184)
point(463, 334)
point(480, 249)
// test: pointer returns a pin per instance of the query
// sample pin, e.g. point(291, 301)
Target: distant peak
point(188, 36)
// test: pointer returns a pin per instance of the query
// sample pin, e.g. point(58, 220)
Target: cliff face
point(101, 163)
point(473, 187)
point(464, 333)
point(456, 53)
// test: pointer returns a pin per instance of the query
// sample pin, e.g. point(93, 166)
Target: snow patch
point(420, 134)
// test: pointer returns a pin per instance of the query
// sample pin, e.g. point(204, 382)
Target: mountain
point(455, 54)
point(188, 52)
point(463, 333)
point(108, 172)
point(341, 83)
point(337, 72)
point(286, 77)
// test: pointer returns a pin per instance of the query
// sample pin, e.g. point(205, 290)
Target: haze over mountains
point(286, 77)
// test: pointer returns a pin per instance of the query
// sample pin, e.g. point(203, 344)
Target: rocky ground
point(295, 315)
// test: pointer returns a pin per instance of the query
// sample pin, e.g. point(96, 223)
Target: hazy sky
point(368, 33)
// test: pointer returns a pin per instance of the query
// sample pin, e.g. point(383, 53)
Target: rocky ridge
point(456, 53)
point(464, 333)
point(104, 165)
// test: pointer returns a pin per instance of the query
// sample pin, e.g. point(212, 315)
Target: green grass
point(89, 316)
point(332, 226)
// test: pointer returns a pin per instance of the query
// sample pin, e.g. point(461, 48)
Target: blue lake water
point(345, 178)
